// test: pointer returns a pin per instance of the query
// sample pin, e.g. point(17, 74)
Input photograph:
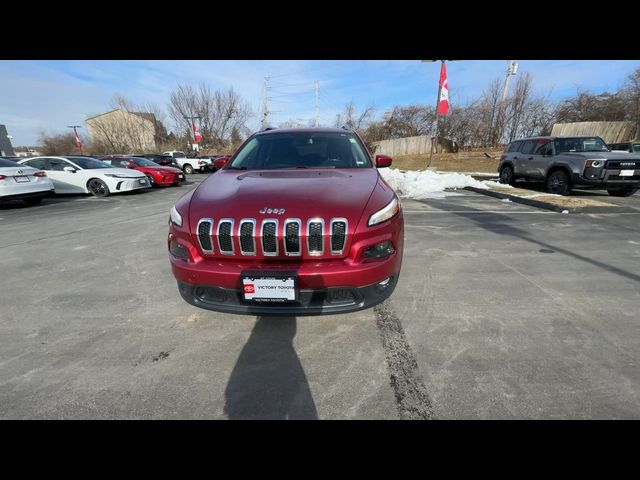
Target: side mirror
point(383, 161)
point(69, 169)
point(218, 163)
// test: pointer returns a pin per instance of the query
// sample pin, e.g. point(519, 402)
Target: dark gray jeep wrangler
point(567, 162)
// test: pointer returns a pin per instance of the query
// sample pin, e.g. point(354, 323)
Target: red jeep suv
point(298, 222)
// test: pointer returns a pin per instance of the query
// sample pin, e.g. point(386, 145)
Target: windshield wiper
point(236, 168)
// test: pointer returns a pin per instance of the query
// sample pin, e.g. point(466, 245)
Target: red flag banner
point(78, 141)
point(443, 101)
point(196, 134)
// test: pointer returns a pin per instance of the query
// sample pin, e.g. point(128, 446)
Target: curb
point(548, 206)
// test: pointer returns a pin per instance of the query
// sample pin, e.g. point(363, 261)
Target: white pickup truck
point(190, 165)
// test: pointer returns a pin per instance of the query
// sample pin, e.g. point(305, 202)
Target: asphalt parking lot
point(502, 311)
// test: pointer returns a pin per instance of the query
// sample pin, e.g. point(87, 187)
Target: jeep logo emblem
point(276, 211)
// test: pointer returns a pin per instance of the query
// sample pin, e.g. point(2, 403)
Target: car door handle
point(515, 158)
point(530, 158)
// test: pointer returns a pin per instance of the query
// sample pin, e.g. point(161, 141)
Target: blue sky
point(48, 95)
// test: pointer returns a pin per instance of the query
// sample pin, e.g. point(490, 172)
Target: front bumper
point(127, 184)
point(606, 178)
point(169, 179)
point(326, 301)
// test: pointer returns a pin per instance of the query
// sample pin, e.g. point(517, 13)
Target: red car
point(298, 222)
point(157, 175)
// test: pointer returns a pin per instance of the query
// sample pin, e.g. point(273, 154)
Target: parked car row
point(32, 179)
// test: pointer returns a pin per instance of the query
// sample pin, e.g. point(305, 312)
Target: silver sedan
point(21, 182)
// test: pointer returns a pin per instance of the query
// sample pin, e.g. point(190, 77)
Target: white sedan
point(87, 175)
point(21, 182)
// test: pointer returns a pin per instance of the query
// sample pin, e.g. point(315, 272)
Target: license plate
point(626, 173)
point(269, 288)
point(22, 179)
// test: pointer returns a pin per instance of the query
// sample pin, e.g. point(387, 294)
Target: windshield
point(143, 162)
point(302, 150)
point(581, 144)
point(87, 163)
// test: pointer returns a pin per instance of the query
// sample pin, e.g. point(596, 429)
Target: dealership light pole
point(75, 131)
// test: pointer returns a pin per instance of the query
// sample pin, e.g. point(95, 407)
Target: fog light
point(178, 250)
point(381, 250)
point(383, 285)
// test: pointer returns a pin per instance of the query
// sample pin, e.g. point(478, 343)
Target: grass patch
point(449, 162)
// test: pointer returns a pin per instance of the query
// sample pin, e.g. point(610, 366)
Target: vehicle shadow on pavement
point(501, 224)
point(268, 381)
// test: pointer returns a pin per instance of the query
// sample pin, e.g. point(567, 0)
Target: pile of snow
point(428, 184)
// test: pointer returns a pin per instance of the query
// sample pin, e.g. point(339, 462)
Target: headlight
point(175, 217)
point(386, 213)
point(595, 163)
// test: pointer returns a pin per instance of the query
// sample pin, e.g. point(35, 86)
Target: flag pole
point(437, 119)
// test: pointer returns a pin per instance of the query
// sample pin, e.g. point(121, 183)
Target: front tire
point(506, 175)
point(98, 188)
point(188, 169)
point(621, 192)
point(558, 183)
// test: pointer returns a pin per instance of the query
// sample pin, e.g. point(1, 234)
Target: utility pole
point(265, 103)
point(512, 68)
point(75, 131)
point(317, 103)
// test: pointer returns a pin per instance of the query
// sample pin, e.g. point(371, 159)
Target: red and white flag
point(78, 141)
point(196, 134)
point(443, 101)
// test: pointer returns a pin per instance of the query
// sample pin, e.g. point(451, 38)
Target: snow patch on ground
point(428, 184)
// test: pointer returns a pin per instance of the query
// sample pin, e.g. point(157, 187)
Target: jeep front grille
point(315, 236)
point(205, 230)
point(292, 246)
point(338, 235)
point(265, 237)
point(270, 237)
point(247, 236)
point(225, 239)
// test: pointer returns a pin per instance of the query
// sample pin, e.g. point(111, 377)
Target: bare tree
point(352, 119)
point(222, 114)
point(631, 95)
point(61, 144)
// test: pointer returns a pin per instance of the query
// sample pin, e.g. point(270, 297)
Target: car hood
point(303, 194)
point(159, 169)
